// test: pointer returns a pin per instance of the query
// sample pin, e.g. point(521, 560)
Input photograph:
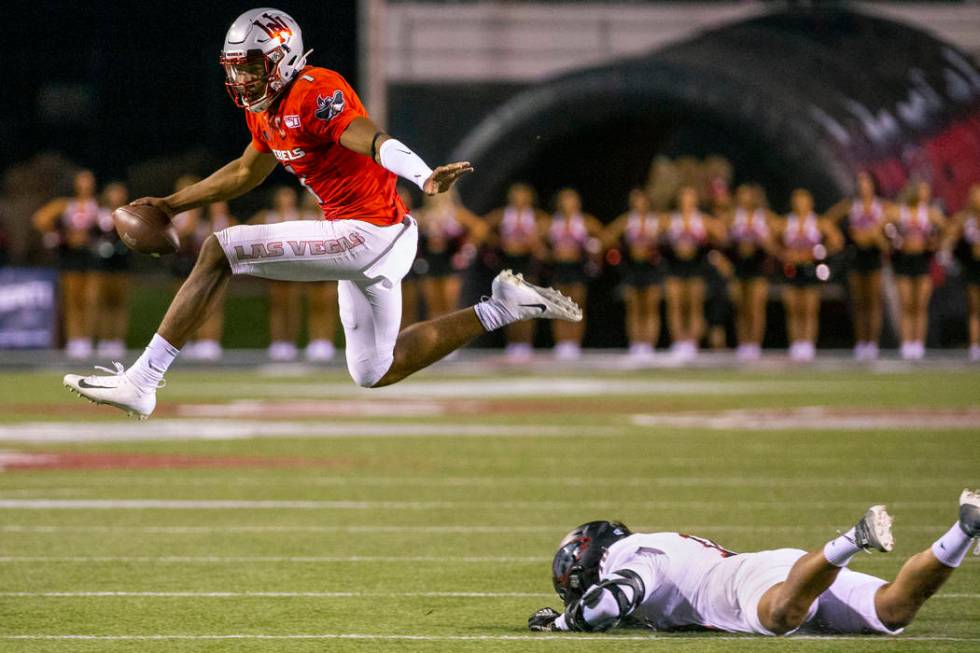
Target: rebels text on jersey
point(302, 130)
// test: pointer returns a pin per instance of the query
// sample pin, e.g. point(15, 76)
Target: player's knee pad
point(367, 371)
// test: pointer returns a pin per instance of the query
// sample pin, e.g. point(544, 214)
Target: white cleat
point(874, 530)
point(114, 389)
point(527, 301)
point(970, 512)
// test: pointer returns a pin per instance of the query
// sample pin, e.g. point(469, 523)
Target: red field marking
point(20, 461)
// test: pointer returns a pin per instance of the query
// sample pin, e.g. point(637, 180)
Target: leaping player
point(310, 120)
point(608, 576)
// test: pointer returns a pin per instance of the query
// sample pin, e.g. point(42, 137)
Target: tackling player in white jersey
point(608, 576)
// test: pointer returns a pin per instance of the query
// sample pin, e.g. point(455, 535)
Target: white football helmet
point(263, 51)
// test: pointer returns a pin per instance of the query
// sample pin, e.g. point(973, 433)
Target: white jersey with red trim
point(673, 567)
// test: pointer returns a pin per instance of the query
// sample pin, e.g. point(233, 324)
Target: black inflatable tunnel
point(804, 97)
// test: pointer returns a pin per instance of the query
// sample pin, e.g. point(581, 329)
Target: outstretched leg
point(376, 357)
point(424, 343)
point(924, 573)
point(785, 606)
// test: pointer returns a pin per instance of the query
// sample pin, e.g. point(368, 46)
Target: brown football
point(146, 229)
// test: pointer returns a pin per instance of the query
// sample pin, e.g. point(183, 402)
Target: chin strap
point(301, 62)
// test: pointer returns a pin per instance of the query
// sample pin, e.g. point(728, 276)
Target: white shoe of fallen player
point(114, 389)
point(970, 512)
point(527, 301)
point(874, 530)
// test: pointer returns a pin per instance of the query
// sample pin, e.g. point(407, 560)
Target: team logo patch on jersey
point(328, 107)
point(292, 121)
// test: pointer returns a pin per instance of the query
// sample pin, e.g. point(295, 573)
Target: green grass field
point(294, 512)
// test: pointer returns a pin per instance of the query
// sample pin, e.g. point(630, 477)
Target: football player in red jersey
point(311, 121)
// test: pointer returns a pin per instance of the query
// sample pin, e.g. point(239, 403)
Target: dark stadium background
point(112, 84)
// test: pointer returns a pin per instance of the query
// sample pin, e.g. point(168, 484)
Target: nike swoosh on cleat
point(541, 307)
point(82, 383)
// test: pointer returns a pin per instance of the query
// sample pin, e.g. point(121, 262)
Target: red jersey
point(303, 128)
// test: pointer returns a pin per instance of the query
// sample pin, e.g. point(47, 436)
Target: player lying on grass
point(608, 576)
point(311, 121)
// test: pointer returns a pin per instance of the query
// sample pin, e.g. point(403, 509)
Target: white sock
point(841, 549)
point(493, 314)
point(952, 547)
point(148, 370)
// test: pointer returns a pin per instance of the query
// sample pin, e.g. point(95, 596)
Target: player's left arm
point(603, 606)
point(364, 137)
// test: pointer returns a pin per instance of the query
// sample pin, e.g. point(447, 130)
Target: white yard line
point(244, 504)
point(304, 479)
point(274, 559)
point(441, 530)
point(812, 418)
point(527, 387)
point(317, 408)
point(565, 639)
point(189, 559)
point(238, 429)
point(282, 595)
point(324, 595)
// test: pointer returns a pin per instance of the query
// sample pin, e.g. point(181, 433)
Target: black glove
point(543, 620)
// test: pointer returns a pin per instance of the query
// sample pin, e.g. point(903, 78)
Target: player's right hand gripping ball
point(146, 229)
point(543, 620)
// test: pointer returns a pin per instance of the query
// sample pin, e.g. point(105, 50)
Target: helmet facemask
point(567, 571)
point(575, 567)
point(262, 54)
point(252, 79)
